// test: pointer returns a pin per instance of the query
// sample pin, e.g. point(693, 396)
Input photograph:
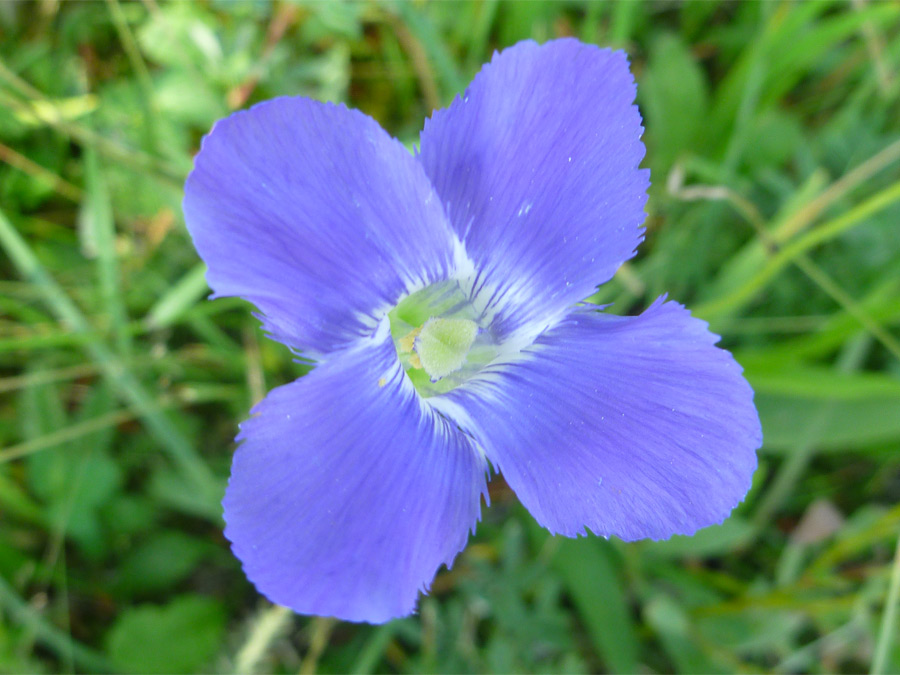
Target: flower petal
point(537, 167)
point(347, 492)
point(318, 217)
point(629, 426)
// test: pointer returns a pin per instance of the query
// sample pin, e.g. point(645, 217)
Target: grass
point(773, 137)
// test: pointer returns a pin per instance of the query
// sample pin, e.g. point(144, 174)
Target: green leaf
point(180, 35)
point(182, 96)
point(179, 637)
point(160, 562)
point(772, 139)
point(589, 573)
point(70, 108)
point(816, 382)
point(709, 541)
point(674, 99)
point(673, 626)
point(855, 423)
point(186, 292)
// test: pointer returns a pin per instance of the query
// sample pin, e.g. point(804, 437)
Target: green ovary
point(443, 344)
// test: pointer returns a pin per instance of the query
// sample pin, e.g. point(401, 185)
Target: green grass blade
point(791, 252)
point(887, 634)
point(144, 83)
point(423, 29)
point(797, 462)
point(180, 298)
point(50, 636)
point(97, 224)
point(588, 571)
point(65, 435)
point(195, 471)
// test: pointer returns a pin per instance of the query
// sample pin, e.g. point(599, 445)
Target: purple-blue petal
point(348, 492)
point(317, 216)
point(638, 427)
point(537, 167)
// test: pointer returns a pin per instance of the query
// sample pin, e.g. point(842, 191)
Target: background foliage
point(773, 134)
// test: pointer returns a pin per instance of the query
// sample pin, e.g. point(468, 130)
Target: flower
point(440, 294)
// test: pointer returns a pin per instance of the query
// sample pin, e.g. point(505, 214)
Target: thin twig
point(801, 218)
point(145, 84)
point(321, 631)
point(875, 47)
point(65, 435)
point(267, 626)
point(49, 635)
point(773, 246)
point(25, 165)
point(420, 62)
point(284, 17)
point(256, 382)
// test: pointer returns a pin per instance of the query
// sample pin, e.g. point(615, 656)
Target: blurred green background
point(773, 136)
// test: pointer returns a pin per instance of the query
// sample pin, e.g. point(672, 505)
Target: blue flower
point(441, 296)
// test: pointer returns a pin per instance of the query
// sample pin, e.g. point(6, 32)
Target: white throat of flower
point(441, 338)
point(445, 332)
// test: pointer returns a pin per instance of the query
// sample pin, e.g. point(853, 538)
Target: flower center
point(441, 338)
